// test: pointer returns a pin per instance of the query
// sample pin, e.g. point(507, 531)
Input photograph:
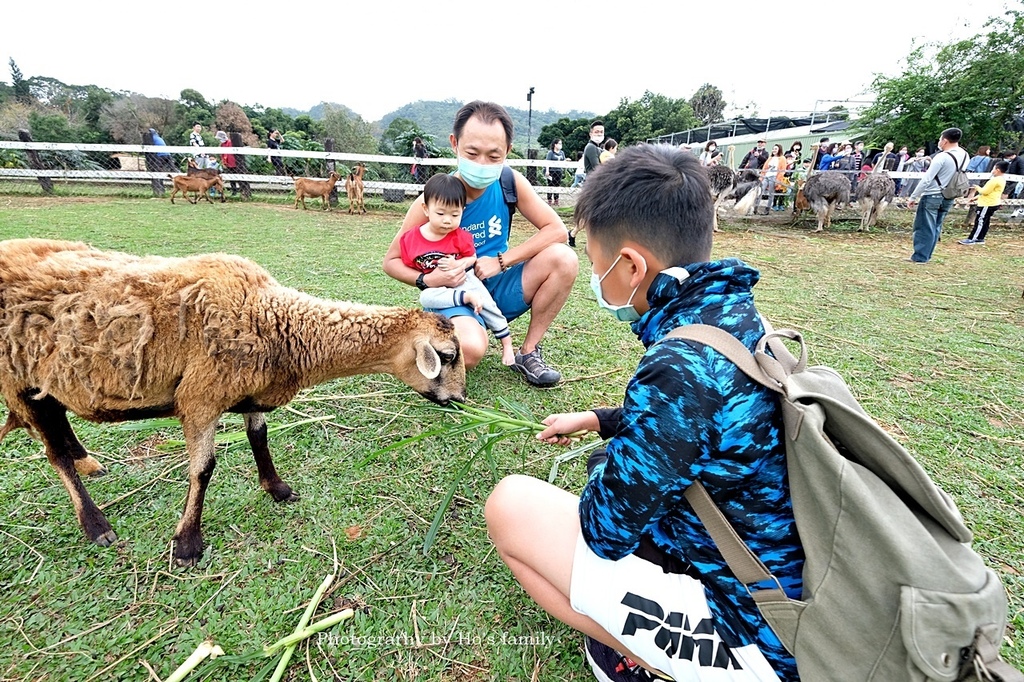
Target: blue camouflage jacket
point(690, 414)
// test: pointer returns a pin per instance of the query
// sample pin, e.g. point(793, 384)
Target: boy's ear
point(640, 260)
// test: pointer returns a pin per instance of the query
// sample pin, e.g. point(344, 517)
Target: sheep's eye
point(447, 357)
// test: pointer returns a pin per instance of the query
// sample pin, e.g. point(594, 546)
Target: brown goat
point(306, 187)
point(114, 337)
point(354, 187)
point(192, 169)
point(197, 184)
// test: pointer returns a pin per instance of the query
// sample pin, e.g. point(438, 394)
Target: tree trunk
point(35, 162)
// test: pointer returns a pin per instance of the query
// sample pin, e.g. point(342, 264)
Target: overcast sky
point(374, 56)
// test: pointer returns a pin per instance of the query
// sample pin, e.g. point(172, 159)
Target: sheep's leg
point(188, 538)
point(63, 450)
point(256, 432)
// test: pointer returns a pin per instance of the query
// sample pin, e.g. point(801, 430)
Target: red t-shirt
point(422, 254)
point(228, 160)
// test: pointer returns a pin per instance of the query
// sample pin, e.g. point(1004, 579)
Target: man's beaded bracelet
point(501, 263)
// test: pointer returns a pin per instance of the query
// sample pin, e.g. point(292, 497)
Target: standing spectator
point(164, 160)
point(578, 177)
point(227, 161)
point(554, 174)
point(1016, 168)
point(918, 164)
point(989, 197)
point(195, 139)
point(610, 148)
point(980, 162)
point(773, 172)
point(274, 142)
point(710, 150)
point(592, 152)
point(823, 147)
point(797, 150)
point(855, 164)
point(902, 159)
point(419, 150)
point(755, 158)
point(932, 206)
point(833, 156)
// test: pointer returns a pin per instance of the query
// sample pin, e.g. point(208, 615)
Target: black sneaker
point(535, 370)
point(609, 665)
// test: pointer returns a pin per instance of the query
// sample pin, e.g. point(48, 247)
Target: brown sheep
point(114, 337)
point(354, 187)
point(306, 187)
point(197, 184)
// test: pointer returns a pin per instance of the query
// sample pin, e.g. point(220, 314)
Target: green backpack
point(892, 590)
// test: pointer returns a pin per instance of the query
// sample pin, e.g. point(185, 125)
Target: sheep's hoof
point(89, 466)
point(187, 553)
point(106, 539)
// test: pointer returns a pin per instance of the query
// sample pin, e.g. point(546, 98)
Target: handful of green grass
point(494, 426)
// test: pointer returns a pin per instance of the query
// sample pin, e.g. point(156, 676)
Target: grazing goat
point(114, 337)
point(824, 192)
point(874, 194)
point(354, 187)
point(197, 184)
point(306, 187)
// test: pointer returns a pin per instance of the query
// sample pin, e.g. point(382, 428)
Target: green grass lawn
point(933, 351)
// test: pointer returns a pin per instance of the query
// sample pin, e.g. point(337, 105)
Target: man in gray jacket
point(932, 207)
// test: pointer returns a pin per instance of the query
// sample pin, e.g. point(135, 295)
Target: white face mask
point(622, 313)
point(597, 139)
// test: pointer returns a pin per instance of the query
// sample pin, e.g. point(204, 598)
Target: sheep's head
point(433, 366)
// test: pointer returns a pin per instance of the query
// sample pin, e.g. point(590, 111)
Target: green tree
point(51, 126)
point(707, 104)
point(650, 116)
point(350, 133)
point(18, 83)
point(976, 85)
point(574, 134)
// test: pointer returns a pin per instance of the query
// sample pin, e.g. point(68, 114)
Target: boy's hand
point(562, 425)
point(446, 263)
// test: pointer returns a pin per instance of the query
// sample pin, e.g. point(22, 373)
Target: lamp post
point(529, 121)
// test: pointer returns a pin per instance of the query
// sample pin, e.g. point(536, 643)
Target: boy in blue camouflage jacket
point(628, 563)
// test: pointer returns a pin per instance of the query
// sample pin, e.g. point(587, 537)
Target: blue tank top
point(486, 218)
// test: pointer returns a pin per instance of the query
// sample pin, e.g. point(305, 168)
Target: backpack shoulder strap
point(508, 191)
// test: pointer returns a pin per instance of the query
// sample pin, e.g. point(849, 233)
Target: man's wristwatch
point(420, 282)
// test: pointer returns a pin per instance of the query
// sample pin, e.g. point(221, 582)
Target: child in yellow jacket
point(988, 198)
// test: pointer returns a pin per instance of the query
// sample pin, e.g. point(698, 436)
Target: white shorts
point(661, 617)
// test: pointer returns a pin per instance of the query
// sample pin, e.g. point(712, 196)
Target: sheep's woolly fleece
point(82, 322)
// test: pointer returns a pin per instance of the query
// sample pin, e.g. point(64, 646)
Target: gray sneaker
point(536, 371)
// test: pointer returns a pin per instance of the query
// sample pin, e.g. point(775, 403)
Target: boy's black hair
point(654, 195)
point(446, 190)
point(1004, 166)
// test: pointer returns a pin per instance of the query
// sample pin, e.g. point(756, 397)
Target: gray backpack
point(892, 590)
point(959, 183)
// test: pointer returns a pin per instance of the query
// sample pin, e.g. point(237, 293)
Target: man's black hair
point(952, 135)
point(654, 195)
point(596, 123)
point(445, 189)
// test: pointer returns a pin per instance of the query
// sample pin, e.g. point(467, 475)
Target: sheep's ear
point(427, 360)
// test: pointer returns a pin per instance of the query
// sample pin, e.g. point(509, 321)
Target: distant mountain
point(435, 118)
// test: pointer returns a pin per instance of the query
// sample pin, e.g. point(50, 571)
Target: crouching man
point(628, 563)
point(536, 275)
